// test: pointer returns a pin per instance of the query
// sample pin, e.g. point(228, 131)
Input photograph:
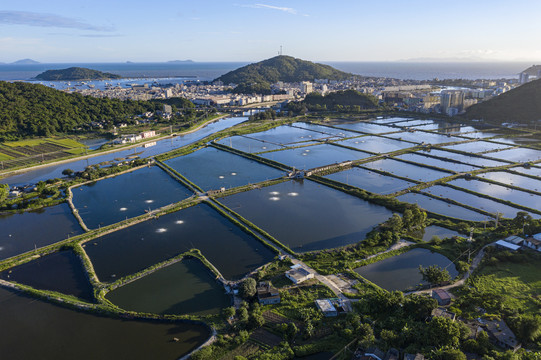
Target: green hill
point(522, 104)
point(36, 110)
point(260, 75)
point(76, 73)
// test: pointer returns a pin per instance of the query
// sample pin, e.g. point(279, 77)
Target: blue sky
point(223, 30)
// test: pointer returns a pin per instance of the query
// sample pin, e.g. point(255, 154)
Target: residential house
point(533, 242)
point(501, 335)
point(267, 294)
point(442, 296)
point(298, 274)
point(326, 307)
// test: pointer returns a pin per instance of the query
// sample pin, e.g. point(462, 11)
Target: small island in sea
point(76, 73)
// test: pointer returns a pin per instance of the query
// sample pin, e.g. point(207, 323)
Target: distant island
point(76, 73)
point(521, 104)
point(259, 76)
point(180, 61)
point(25, 62)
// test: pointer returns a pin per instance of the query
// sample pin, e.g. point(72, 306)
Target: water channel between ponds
point(307, 216)
point(26, 231)
point(401, 272)
point(125, 196)
point(137, 247)
point(211, 169)
point(61, 271)
point(186, 287)
point(55, 171)
point(33, 329)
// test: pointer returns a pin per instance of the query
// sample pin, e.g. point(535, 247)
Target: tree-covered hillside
point(36, 110)
point(76, 73)
point(522, 105)
point(281, 68)
point(346, 100)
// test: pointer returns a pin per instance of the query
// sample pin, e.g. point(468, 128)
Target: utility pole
point(470, 240)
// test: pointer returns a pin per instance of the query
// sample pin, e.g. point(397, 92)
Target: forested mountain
point(346, 100)
point(280, 68)
point(36, 110)
point(76, 73)
point(522, 105)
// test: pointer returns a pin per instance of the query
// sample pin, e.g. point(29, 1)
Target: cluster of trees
point(265, 115)
point(389, 232)
point(341, 101)
point(434, 274)
point(37, 110)
point(4, 192)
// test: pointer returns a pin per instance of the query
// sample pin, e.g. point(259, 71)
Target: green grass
point(517, 285)
point(4, 157)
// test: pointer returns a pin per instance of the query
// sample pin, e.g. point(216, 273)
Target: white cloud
point(46, 20)
point(271, 7)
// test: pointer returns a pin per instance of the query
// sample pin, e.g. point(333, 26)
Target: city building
point(306, 87)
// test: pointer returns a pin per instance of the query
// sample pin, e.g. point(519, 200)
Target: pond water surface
point(401, 272)
point(513, 179)
point(128, 195)
point(376, 144)
point(23, 232)
point(441, 207)
point(137, 247)
point(186, 287)
point(410, 171)
point(211, 169)
point(34, 329)
point(315, 156)
point(434, 230)
point(61, 271)
point(307, 216)
point(370, 181)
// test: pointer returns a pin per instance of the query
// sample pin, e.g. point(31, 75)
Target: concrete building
point(452, 102)
point(148, 134)
point(326, 307)
point(502, 244)
point(298, 274)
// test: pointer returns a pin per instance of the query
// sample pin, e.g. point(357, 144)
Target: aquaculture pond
point(477, 146)
point(186, 287)
point(328, 130)
point(473, 160)
point(211, 169)
point(441, 207)
point(523, 198)
point(370, 181)
point(307, 216)
point(288, 135)
point(448, 165)
point(376, 144)
point(315, 156)
point(23, 232)
point(475, 201)
point(533, 171)
point(137, 247)
point(426, 137)
point(55, 171)
point(366, 127)
point(433, 230)
point(401, 272)
point(34, 329)
point(410, 171)
point(249, 145)
point(128, 195)
point(416, 122)
point(517, 155)
point(388, 120)
point(513, 179)
point(61, 271)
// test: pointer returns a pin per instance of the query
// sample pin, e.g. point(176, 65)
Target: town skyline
point(228, 31)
